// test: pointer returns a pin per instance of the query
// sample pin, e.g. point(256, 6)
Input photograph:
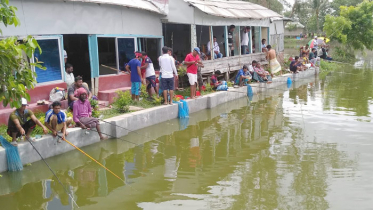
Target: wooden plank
point(232, 63)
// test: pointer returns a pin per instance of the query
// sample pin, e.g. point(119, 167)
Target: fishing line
point(130, 130)
point(59, 181)
point(113, 137)
point(95, 161)
point(90, 157)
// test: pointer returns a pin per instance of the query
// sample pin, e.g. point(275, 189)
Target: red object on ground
point(179, 96)
point(198, 93)
point(203, 88)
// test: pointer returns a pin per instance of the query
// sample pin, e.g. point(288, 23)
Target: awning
point(233, 9)
point(139, 4)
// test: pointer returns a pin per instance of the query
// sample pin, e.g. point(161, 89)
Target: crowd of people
point(310, 56)
point(22, 121)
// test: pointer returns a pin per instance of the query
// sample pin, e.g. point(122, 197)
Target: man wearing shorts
point(168, 70)
point(149, 74)
point(193, 61)
point(134, 68)
point(22, 122)
point(56, 120)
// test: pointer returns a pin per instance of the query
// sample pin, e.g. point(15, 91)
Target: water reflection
point(265, 155)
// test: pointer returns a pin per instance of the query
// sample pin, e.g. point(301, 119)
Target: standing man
point(19, 123)
point(71, 91)
point(56, 120)
point(168, 70)
point(192, 61)
point(70, 79)
point(230, 39)
point(134, 68)
point(149, 74)
point(274, 65)
point(82, 113)
point(245, 40)
point(315, 43)
point(215, 50)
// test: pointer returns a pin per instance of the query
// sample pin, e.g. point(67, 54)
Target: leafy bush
point(182, 71)
point(95, 107)
point(208, 87)
point(122, 101)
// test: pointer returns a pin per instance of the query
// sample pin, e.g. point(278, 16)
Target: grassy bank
point(327, 67)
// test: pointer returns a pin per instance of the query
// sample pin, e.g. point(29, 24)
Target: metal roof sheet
point(139, 4)
point(233, 9)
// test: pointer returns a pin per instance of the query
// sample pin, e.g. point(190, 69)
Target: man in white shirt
point(245, 40)
point(168, 70)
point(315, 43)
point(216, 49)
point(70, 79)
point(149, 74)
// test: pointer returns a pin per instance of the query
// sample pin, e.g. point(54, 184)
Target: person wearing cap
point(193, 61)
point(82, 113)
point(56, 120)
point(22, 122)
point(134, 67)
point(168, 71)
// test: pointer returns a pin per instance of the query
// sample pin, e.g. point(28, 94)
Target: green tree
point(15, 55)
point(336, 4)
point(354, 26)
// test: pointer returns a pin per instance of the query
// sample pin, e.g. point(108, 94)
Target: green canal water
point(307, 147)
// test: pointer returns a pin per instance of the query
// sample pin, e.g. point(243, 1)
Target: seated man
point(296, 65)
point(313, 57)
point(214, 80)
point(215, 49)
point(55, 120)
point(71, 91)
point(82, 113)
point(325, 54)
point(264, 76)
point(18, 123)
point(243, 76)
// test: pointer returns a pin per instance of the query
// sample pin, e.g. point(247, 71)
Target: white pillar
point(193, 37)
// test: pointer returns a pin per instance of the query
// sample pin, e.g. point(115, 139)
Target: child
point(214, 80)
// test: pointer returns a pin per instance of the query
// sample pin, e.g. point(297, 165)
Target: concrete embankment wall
point(48, 147)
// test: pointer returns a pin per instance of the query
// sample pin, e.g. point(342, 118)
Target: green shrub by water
point(327, 67)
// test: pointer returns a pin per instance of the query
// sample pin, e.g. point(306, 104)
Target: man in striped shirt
point(56, 120)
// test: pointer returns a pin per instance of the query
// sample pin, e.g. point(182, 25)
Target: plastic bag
point(56, 94)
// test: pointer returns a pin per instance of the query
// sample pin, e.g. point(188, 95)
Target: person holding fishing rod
point(19, 125)
point(82, 113)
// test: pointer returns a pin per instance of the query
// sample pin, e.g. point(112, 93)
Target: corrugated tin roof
point(233, 9)
point(139, 4)
point(297, 24)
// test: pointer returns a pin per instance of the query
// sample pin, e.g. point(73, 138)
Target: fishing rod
point(90, 157)
point(59, 181)
point(129, 130)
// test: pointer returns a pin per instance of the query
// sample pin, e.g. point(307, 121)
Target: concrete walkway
point(48, 147)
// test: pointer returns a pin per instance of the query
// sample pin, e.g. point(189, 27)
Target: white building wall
point(57, 17)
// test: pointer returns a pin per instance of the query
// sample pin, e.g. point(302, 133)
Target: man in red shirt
point(192, 61)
